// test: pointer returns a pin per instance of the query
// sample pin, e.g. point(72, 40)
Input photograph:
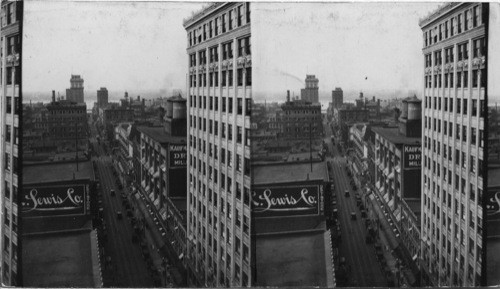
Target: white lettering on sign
point(54, 201)
point(493, 205)
point(267, 202)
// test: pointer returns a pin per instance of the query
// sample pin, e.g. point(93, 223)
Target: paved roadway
point(128, 267)
point(365, 270)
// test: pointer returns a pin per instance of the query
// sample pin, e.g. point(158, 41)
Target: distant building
point(10, 110)
point(344, 117)
point(67, 125)
point(310, 93)
point(337, 97)
point(75, 92)
point(454, 112)
point(102, 97)
point(300, 119)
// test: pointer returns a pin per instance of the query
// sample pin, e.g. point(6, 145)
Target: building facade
point(75, 92)
point(10, 107)
point(220, 91)
point(102, 97)
point(300, 119)
point(67, 125)
point(311, 92)
point(453, 136)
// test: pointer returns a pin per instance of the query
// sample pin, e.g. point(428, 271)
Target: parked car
point(112, 193)
point(119, 214)
point(353, 215)
point(347, 194)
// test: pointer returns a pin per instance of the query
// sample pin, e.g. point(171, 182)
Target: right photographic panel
point(375, 144)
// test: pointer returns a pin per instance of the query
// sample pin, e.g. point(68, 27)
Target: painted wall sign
point(55, 200)
point(178, 155)
point(270, 201)
point(412, 155)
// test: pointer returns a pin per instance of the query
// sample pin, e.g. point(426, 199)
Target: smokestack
point(53, 96)
point(288, 96)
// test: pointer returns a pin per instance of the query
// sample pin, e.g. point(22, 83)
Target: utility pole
point(76, 145)
point(310, 146)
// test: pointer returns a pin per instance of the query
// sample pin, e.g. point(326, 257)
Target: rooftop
point(493, 176)
point(51, 172)
point(302, 262)
point(60, 260)
point(158, 134)
point(392, 134)
point(195, 16)
point(288, 172)
point(436, 13)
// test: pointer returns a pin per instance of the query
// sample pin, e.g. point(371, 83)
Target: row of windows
point(243, 75)
point(244, 48)
point(479, 79)
point(226, 157)
point(478, 50)
point(462, 22)
point(10, 108)
point(213, 151)
point(8, 131)
point(213, 104)
point(446, 105)
point(7, 193)
point(11, 166)
point(448, 131)
point(226, 22)
point(11, 15)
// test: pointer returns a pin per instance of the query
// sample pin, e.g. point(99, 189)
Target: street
point(123, 262)
point(362, 266)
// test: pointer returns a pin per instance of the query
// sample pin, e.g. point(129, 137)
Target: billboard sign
point(178, 155)
point(412, 155)
point(286, 200)
point(55, 200)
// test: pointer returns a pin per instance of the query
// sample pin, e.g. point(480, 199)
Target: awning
point(391, 176)
point(386, 197)
point(391, 204)
point(163, 167)
point(181, 256)
point(156, 175)
point(415, 257)
point(151, 170)
point(163, 213)
point(157, 202)
point(397, 214)
point(151, 196)
point(137, 196)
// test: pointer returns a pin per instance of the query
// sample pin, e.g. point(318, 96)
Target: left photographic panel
point(104, 140)
point(10, 104)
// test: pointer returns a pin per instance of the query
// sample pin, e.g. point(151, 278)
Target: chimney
point(288, 96)
point(53, 96)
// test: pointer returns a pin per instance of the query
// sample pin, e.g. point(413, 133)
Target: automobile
point(353, 215)
point(119, 214)
point(112, 193)
point(363, 214)
point(347, 194)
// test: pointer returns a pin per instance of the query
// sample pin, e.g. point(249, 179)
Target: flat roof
point(293, 260)
point(493, 176)
point(51, 172)
point(60, 260)
point(288, 172)
point(158, 134)
point(392, 134)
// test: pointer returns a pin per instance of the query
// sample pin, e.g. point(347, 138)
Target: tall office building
point(311, 92)
point(10, 105)
point(337, 97)
point(219, 99)
point(453, 144)
point(75, 92)
point(102, 97)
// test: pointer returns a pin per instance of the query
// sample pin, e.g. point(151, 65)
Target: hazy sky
point(341, 43)
point(118, 45)
point(139, 46)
